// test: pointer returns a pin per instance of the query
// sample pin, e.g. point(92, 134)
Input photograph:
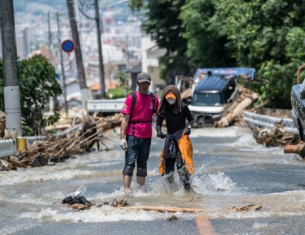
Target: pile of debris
point(246, 98)
point(275, 136)
point(57, 148)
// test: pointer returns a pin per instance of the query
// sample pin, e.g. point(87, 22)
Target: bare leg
point(127, 181)
point(141, 180)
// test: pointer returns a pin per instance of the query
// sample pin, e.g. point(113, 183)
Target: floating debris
point(79, 206)
point(250, 207)
point(117, 203)
point(167, 209)
point(75, 199)
point(172, 218)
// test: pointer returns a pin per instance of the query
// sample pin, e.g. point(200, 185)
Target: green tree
point(266, 35)
point(37, 83)
point(206, 45)
point(122, 77)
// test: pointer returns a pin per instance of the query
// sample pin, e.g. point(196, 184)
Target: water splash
point(211, 183)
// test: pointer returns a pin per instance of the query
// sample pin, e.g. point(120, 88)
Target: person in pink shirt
point(136, 130)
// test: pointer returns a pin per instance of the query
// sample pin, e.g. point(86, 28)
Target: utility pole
point(100, 50)
point(62, 64)
point(10, 68)
point(54, 106)
point(78, 55)
point(49, 36)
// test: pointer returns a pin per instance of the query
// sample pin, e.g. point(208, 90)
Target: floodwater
point(231, 170)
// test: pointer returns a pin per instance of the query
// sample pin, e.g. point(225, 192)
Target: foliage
point(266, 35)
point(122, 77)
point(119, 92)
point(205, 43)
point(37, 83)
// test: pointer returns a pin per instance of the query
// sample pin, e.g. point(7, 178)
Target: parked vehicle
point(105, 107)
point(214, 90)
point(298, 104)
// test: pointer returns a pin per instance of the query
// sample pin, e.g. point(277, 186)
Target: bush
point(37, 83)
point(120, 92)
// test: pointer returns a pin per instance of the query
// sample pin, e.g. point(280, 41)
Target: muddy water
point(230, 170)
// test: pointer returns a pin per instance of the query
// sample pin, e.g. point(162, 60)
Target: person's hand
point(187, 131)
point(123, 144)
point(160, 134)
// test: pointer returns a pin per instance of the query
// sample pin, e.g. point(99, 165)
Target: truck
point(298, 104)
point(213, 92)
point(105, 107)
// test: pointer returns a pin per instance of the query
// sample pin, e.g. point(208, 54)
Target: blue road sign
point(67, 45)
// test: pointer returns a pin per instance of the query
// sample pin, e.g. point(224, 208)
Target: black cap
point(143, 77)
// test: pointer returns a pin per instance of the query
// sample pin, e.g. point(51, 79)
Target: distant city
point(125, 47)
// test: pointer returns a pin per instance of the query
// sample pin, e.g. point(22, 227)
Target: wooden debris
point(246, 98)
point(117, 203)
point(59, 148)
point(250, 207)
point(172, 218)
point(167, 209)
point(298, 149)
point(124, 205)
point(79, 206)
point(186, 94)
point(275, 136)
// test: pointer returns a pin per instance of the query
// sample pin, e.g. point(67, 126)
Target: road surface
point(231, 170)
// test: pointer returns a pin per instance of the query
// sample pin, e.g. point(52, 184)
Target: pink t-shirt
point(142, 111)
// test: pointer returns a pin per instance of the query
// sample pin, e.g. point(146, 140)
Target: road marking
point(204, 225)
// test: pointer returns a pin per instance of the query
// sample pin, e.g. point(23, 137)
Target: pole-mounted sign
point(67, 45)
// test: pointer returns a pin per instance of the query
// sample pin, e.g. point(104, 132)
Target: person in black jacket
point(177, 147)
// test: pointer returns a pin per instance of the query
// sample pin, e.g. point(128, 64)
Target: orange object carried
point(186, 149)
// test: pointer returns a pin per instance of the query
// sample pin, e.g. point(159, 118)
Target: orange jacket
point(186, 149)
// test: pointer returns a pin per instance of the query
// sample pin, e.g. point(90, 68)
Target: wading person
point(136, 130)
point(178, 149)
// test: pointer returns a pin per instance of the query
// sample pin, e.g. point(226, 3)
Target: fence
point(254, 119)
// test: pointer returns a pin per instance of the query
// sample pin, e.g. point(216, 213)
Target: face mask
point(171, 101)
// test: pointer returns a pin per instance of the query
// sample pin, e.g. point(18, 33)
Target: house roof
point(95, 87)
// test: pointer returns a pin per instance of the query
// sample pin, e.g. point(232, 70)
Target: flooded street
point(231, 170)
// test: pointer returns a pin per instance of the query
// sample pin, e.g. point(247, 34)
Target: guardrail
point(267, 121)
point(106, 106)
point(9, 147)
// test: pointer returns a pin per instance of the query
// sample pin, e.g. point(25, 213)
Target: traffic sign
point(67, 45)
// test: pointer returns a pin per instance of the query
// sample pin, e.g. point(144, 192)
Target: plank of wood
point(165, 209)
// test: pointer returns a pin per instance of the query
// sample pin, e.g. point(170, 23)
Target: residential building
point(150, 62)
